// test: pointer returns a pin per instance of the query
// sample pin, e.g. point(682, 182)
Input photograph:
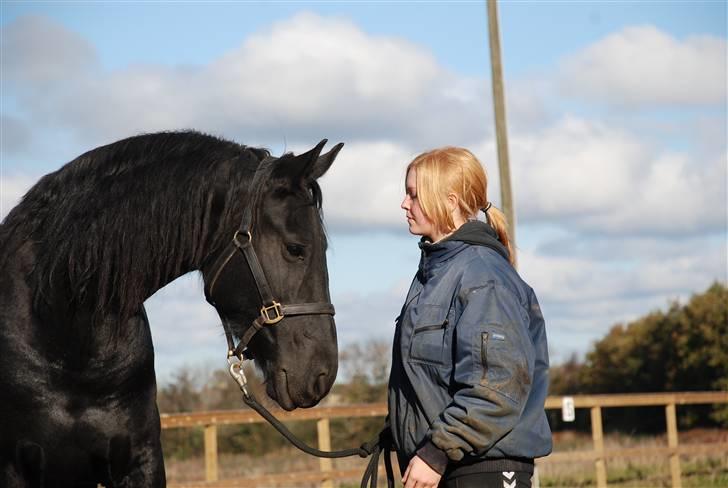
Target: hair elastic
point(486, 208)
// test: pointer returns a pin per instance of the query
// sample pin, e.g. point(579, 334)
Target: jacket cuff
point(433, 456)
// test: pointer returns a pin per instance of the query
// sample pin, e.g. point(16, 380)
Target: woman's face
point(418, 223)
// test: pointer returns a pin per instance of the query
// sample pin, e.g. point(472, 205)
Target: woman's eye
point(296, 250)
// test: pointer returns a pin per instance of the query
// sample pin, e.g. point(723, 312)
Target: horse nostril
point(322, 383)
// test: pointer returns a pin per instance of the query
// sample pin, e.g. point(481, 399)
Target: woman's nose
point(405, 203)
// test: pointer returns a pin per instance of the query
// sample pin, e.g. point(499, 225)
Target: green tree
point(684, 348)
point(565, 378)
point(180, 395)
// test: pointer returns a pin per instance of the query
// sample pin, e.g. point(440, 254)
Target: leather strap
point(309, 309)
point(245, 245)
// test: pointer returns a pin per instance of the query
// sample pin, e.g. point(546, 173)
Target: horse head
point(298, 354)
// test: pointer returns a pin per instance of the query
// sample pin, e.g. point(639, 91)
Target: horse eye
point(296, 250)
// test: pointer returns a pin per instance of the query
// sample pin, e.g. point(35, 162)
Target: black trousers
point(511, 479)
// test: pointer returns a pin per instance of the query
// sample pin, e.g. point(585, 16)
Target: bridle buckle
point(265, 313)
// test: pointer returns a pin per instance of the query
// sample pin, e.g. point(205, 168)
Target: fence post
point(324, 444)
point(598, 437)
point(672, 442)
point(211, 452)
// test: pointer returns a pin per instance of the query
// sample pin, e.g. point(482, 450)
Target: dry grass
point(701, 471)
point(704, 470)
point(288, 460)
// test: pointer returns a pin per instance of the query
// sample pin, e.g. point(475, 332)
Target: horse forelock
point(311, 186)
point(121, 220)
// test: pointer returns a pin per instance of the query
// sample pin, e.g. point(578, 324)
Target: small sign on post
point(567, 409)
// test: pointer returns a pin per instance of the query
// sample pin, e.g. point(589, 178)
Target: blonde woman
point(470, 360)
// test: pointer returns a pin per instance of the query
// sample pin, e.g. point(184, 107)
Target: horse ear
point(299, 167)
point(323, 163)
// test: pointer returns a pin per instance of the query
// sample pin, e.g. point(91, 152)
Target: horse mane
point(124, 219)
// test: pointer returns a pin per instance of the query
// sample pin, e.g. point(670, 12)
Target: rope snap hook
point(236, 371)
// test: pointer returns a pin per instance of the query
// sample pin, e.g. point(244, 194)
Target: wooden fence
point(326, 473)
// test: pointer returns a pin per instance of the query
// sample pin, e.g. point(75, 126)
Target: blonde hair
point(455, 170)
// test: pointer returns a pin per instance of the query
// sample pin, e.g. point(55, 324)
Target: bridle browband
point(272, 311)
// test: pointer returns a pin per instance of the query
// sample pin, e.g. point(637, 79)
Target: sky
point(616, 123)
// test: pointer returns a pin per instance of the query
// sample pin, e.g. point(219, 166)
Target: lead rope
point(374, 448)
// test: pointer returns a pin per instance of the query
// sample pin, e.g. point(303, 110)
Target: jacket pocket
point(428, 343)
point(503, 357)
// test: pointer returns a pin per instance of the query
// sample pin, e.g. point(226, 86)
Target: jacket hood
point(472, 232)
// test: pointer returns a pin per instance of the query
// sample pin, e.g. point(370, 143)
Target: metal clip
point(236, 371)
point(266, 316)
point(245, 233)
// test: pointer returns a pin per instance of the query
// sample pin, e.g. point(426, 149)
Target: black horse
point(91, 241)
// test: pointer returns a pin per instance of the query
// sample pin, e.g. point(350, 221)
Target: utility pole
point(499, 108)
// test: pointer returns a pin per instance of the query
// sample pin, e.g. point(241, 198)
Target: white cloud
point(301, 63)
point(606, 180)
point(364, 187)
point(573, 278)
point(583, 296)
point(310, 77)
point(577, 173)
point(301, 79)
point(643, 65)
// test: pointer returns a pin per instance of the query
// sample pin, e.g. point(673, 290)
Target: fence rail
point(595, 403)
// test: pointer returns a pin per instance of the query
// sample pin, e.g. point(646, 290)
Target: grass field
point(702, 471)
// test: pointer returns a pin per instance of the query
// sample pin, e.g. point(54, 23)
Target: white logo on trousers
point(509, 476)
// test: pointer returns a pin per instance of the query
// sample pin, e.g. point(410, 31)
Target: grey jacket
point(470, 361)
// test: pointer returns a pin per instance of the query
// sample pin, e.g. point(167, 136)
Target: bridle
point(272, 311)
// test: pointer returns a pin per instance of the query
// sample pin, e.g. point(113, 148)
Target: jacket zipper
point(483, 352)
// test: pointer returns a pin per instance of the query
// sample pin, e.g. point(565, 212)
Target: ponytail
point(497, 220)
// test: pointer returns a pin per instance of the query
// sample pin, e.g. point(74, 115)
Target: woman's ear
point(453, 202)
point(453, 205)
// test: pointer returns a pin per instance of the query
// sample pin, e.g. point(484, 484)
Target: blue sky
point(617, 126)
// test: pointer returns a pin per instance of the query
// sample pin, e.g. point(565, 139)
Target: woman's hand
point(420, 475)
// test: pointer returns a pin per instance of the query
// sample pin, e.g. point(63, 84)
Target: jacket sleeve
point(494, 363)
